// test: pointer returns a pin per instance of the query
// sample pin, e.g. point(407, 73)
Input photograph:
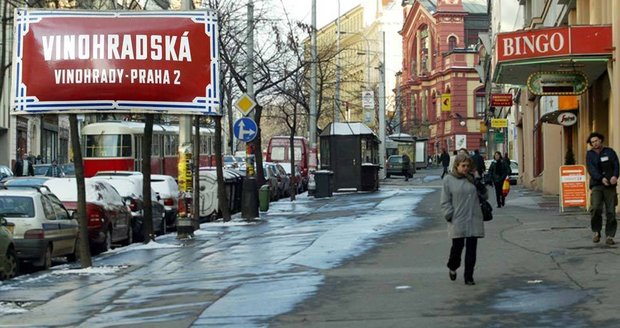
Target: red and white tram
point(117, 145)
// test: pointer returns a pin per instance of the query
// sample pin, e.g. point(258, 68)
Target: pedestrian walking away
point(498, 172)
point(603, 167)
point(406, 167)
point(478, 163)
point(460, 204)
point(444, 159)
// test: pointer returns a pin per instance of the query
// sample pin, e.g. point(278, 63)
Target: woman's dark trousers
point(499, 194)
point(470, 244)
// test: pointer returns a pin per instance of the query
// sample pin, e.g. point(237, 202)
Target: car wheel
point(47, 258)
point(10, 267)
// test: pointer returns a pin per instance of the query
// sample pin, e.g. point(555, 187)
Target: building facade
point(441, 95)
point(563, 66)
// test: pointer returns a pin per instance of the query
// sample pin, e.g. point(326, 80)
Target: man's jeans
point(607, 197)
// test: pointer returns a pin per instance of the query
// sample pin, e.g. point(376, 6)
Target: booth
point(351, 151)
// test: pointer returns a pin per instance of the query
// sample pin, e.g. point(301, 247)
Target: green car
point(8, 256)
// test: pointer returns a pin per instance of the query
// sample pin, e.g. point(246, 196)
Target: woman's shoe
point(452, 275)
point(470, 282)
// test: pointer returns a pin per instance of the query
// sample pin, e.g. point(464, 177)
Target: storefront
point(565, 94)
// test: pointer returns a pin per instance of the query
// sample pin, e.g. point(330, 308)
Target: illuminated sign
point(130, 61)
point(557, 83)
point(567, 119)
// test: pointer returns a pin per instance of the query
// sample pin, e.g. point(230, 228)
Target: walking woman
point(498, 171)
point(461, 208)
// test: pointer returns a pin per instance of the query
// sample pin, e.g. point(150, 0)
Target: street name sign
point(245, 104)
point(245, 129)
point(163, 62)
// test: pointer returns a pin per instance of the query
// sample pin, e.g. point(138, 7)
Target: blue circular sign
point(245, 129)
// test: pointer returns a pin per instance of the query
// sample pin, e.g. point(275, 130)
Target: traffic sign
point(245, 129)
point(245, 104)
point(446, 100)
point(368, 99)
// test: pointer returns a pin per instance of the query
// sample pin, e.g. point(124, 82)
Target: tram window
point(156, 146)
point(108, 146)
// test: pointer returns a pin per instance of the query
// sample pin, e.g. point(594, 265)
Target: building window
point(451, 42)
point(480, 103)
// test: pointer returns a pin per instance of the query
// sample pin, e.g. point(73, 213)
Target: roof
point(346, 129)
point(470, 6)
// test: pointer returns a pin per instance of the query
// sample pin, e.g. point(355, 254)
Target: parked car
point(297, 177)
point(28, 181)
point(394, 166)
point(5, 172)
point(513, 176)
point(8, 255)
point(230, 162)
point(277, 179)
point(43, 228)
point(108, 217)
point(130, 188)
point(168, 191)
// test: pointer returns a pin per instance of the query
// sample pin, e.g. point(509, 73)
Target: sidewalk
point(536, 267)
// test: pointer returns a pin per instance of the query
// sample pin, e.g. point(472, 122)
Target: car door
point(121, 212)
point(68, 228)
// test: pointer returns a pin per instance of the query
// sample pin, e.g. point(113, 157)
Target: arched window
point(451, 42)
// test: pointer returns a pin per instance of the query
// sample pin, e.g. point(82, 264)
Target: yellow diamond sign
point(245, 104)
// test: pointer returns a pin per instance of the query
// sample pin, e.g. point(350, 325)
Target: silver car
point(43, 228)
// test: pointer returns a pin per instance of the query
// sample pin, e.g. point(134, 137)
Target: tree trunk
point(83, 244)
point(222, 198)
point(147, 209)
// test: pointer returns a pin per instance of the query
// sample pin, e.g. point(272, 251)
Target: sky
point(327, 10)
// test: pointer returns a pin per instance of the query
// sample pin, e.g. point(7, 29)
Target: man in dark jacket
point(444, 159)
point(603, 167)
point(479, 163)
point(406, 167)
point(23, 167)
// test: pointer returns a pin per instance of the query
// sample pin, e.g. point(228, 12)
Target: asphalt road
point(536, 268)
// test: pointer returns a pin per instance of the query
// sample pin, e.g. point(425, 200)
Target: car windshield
point(395, 159)
point(69, 169)
point(16, 206)
point(41, 169)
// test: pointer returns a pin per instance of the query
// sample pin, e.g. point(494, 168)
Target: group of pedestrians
point(462, 193)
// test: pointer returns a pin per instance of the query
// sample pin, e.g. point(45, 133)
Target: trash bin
point(263, 198)
point(370, 177)
point(324, 183)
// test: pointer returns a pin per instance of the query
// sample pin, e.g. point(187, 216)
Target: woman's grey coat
point(461, 207)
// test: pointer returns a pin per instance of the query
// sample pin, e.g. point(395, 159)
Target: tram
point(117, 146)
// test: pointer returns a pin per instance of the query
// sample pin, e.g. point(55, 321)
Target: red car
point(109, 218)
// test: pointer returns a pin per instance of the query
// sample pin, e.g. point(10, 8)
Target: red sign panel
point(551, 42)
point(501, 99)
point(162, 62)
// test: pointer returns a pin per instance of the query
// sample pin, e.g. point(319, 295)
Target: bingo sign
point(573, 188)
point(145, 62)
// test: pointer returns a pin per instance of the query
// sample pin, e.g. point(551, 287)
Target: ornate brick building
point(441, 94)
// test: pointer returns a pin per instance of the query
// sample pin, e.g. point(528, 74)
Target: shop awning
point(585, 49)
